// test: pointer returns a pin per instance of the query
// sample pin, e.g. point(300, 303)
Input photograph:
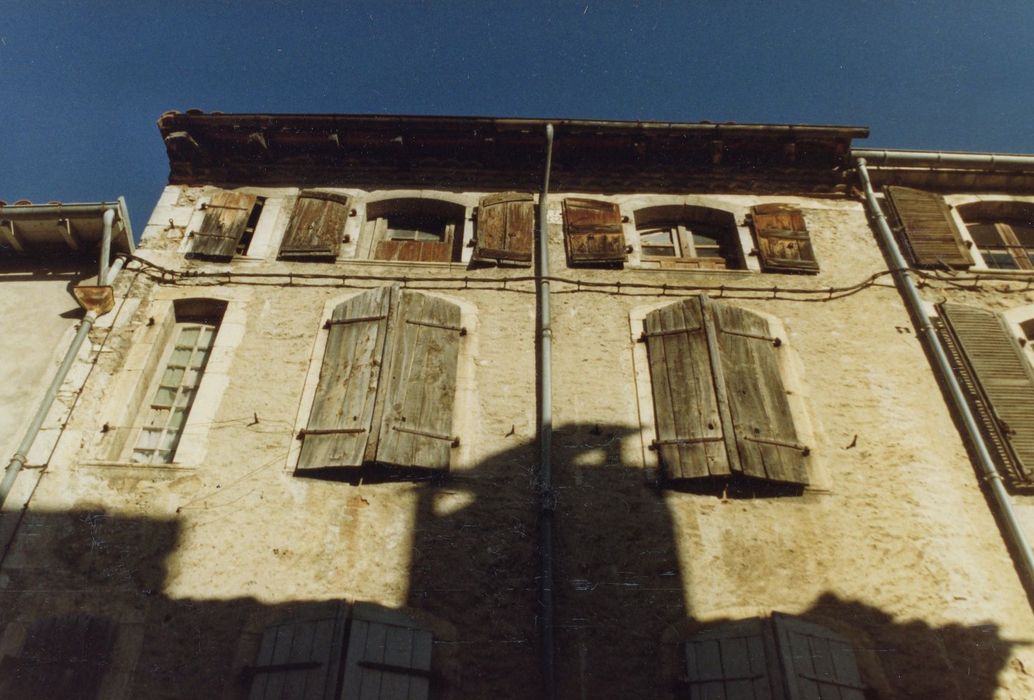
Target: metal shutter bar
point(459, 329)
point(358, 319)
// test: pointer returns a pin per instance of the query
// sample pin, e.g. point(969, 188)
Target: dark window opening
point(249, 227)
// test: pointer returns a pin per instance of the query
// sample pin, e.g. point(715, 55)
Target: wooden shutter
point(816, 662)
point(300, 658)
point(593, 231)
point(63, 657)
point(416, 430)
point(733, 661)
point(928, 228)
point(783, 241)
point(389, 656)
point(763, 425)
point(505, 227)
point(341, 420)
point(226, 216)
point(689, 429)
point(1003, 391)
point(316, 226)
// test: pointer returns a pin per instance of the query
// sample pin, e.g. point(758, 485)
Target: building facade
point(306, 460)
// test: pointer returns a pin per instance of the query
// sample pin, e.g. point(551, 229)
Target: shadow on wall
point(620, 612)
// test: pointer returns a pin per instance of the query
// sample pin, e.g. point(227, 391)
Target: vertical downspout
point(547, 499)
point(988, 471)
point(105, 277)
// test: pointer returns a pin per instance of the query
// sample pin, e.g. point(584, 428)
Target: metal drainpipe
point(547, 501)
point(942, 159)
point(106, 276)
point(943, 367)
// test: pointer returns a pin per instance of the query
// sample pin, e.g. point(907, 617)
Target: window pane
point(164, 396)
point(158, 417)
point(168, 440)
point(206, 337)
point(173, 377)
point(705, 237)
point(148, 438)
point(184, 397)
point(199, 358)
point(416, 227)
point(177, 418)
point(984, 235)
point(654, 250)
point(180, 357)
point(999, 259)
point(188, 337)
point(142, 456)
point(191, 378)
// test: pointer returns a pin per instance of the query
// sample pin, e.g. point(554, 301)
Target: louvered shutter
point(505, 227)
point(63, 657)
point(783, 241)
point(763, 425)
point(389, 657)
point(416, 430)
point(816, 662)
point(300, 658)
point(1004, 385)
point(316, 226)
point(689, 428)
point(593, 231)
point(226, 217)
point(731, 662)
point(341, 420)
point(928, 228)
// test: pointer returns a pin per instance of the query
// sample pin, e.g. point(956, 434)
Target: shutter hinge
point(674, 331)
point(328, 431)
point(454, 441)
point(358, 319)
point(393, 668)
point(459, 329)
point(684, 441)
point(803, 449)
point(774, 340)
point(251, 671)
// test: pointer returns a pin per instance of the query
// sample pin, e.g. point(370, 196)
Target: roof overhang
point(489, 153)
point(59, 229)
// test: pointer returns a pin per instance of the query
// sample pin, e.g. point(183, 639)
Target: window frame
point(456, 235)
point(1002, 214)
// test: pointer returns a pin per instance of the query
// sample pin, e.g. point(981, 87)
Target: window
point(761, 659)
point(1003, 233)
point(380, 654)
point(720, 404)
point(375, 403)
point(687, 236)
point(927, 228)
point(229, 223)
point(178, 378)
point(62, 657)
point(316, 227)
point(999, 384)
point(415, 230)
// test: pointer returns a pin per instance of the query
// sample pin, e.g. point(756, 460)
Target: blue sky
point(84, 82)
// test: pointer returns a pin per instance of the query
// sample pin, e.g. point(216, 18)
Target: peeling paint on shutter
point(416, 427)
point(593, 232)
point(731, 662)
point(341, 420)
point(505, 227)
point(226, 216)
point(389, 656)
point(316, 226)
point(783, 241)
point(63, 657)
point(689, 429)
point(301, 657)
point(817, 663)
point(763, 424)
point(930, 233)
point(1003, 389)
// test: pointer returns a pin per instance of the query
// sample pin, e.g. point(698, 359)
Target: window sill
point(169, 471)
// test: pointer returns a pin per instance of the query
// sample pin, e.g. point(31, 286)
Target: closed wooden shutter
point(389, 657)
point(226, 216)
point(783, 241)
point(763, 425)
point(63, 657)
point(505, 227)
point(300, 658)
point(316, 226)
point(1004, 385)
point(928, 228)
point(731, 662)
point(341, 420)
point(416, 430)
point(689, 429)
point(593, 232)
point(816, 662)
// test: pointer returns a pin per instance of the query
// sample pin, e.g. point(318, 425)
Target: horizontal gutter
point(947, 160)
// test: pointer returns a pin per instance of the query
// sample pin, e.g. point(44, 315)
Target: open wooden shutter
point(300, 658)
point(689, 429)
point(416, 430)
point(226, 216)
point(783, 241)
point(816, 662)
point(505, 227)
point(316, 226)
point(593, 231)
point(732, 661)
point(63, 657)
point(928, 228)
point(389, 656)
point(1000, 383)
point(762, 422)
point(341, 420)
